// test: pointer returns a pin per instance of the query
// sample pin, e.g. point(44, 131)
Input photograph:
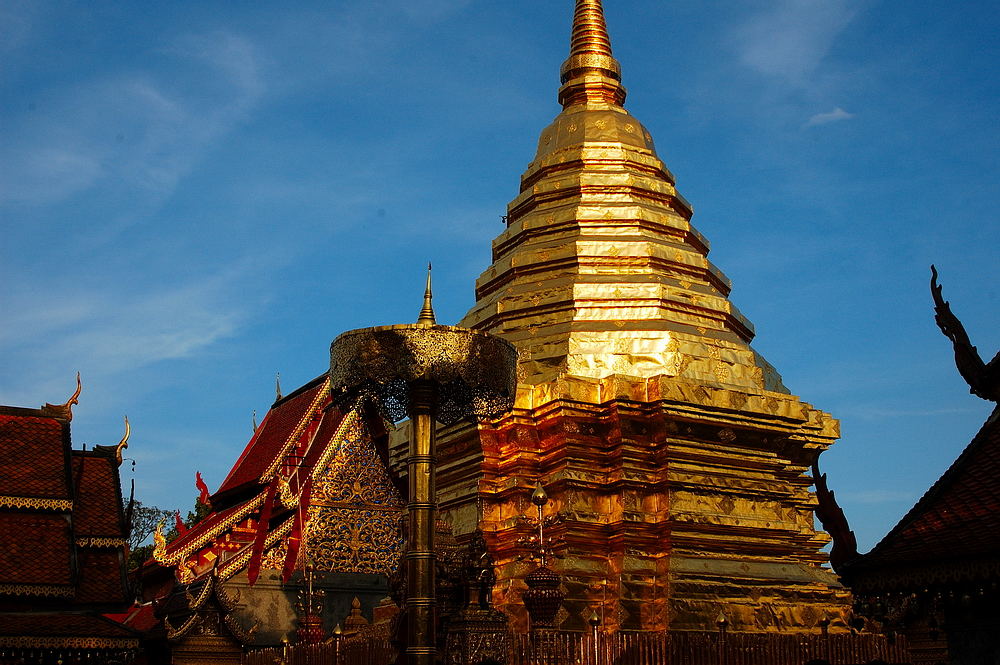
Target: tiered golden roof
point(600, 271)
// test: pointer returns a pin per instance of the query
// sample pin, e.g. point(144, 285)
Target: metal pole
point(420, 602)
point(595, 622)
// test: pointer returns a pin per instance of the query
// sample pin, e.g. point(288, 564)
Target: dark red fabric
point(141, 618)
point(263, 527)
point(295, 538)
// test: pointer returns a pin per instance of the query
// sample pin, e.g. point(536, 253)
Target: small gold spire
point(591, 73)
point(123, 444)
point(426, 316)
point(277, 386)
point(65, 410)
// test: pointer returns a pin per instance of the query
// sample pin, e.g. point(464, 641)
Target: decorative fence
point(561, 648)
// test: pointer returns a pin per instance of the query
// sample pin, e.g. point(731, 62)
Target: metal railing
point(564, 648)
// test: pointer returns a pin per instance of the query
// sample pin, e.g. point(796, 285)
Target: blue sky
point(194, 196)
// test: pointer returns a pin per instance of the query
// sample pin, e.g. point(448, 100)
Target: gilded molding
point(69, 642)
point(322, 396)
point(244, 635)
point(37, 503)
point(36, 590)
point(101, 542)
point(173, 557)
point(350, 420)
point(236, 564)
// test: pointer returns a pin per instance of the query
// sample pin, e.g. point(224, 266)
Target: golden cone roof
point(600, 272)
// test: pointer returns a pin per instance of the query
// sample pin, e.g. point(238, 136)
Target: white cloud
point(131, 133)
point(104, 332)
point(790, 40)
point(836, 115)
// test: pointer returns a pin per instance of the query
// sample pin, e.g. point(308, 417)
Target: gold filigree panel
point(353, 522)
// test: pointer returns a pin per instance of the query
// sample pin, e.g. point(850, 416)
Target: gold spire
point(590, 74)
point(427, 311)
point(277, 387)
point(600, 271)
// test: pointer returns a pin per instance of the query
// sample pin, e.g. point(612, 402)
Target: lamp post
point(428, 373)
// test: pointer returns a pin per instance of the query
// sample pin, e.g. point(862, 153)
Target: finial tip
point(426, 315)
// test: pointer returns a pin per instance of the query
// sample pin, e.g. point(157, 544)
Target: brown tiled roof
point(955, 525)
point(33, 456)
point(269, 438)
point(62, 625)
point(97, 504)
point(101, 578)
point(35, 548)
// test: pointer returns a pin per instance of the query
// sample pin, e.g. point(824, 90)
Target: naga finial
point(277, 386)
point(983, 378)
point(123, 444)
point(160, 543)
point(65, 410)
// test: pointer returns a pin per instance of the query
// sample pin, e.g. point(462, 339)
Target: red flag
point(203, 489)
point(295, 539)
point(263, 526)
point(181, 527)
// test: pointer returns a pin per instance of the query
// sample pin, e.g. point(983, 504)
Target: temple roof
point(97, 509)
point(303, 436)
point(63, 537)
point(269, 441)
point(49, 630)
point(33, 455)
point(952, 533)
point(37, 551)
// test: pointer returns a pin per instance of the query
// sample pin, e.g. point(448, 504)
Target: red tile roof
point(62, 625)
point(33, 454)
point(101, 578)
point(141, 618)
point(270, 437)
point(97, 504)
point(956, 521)
point(36, 549)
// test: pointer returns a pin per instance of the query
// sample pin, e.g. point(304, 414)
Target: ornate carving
point(20, 502)
point(69, 643)
point(474, 371)
point(123, 444)
point(543, 598)
point(101, 542)
point(983, 378)
point(65, 410)
point(36, 590)
point(834, 521)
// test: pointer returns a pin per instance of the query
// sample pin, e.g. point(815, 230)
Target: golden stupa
point(674, 457)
